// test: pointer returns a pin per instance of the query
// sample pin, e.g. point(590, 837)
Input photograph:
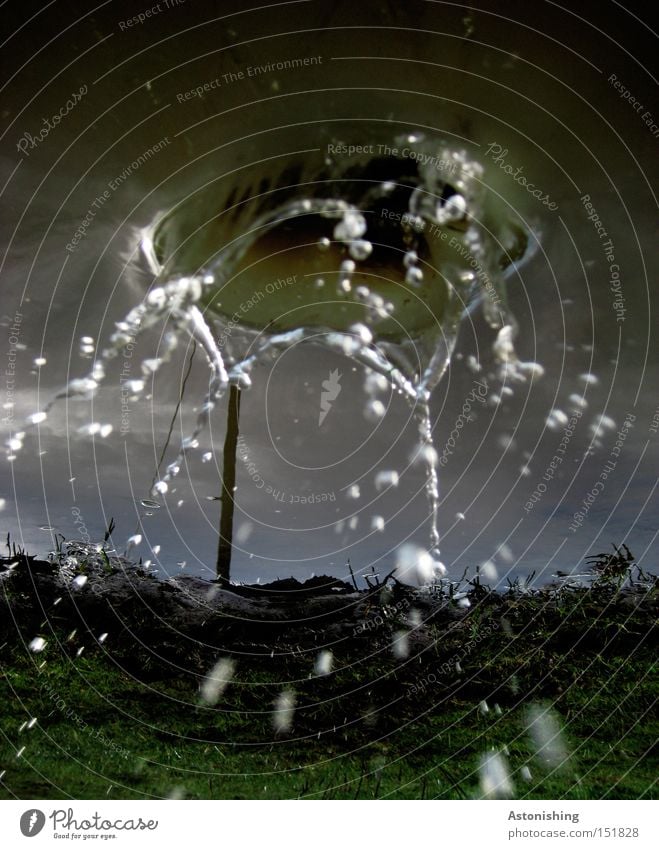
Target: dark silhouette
point(223, 566)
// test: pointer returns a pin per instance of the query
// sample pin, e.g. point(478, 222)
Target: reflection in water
point(395, 308)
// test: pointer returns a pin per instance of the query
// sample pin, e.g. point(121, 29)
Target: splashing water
point(495, 781)
point(376, 258)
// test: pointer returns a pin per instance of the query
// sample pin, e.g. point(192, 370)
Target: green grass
point(361, 732)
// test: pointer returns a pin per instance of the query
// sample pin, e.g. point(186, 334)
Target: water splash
point(411, 243)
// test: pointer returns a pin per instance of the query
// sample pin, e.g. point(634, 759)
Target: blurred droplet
point(495, 781)
point(545, 731)
point(282, 718)
point(414, 565)
point(324, 663)
point(217, 680)
point(385, 479)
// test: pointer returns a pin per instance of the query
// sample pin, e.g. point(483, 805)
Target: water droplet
point(489, 570)
point(37, 418)
point(151, 505)
point(495, 781)
point(410, 259)
point(352, 226)
point(324, 244)
point(577, 401)
point(324, 663)
point(375, 383)
point(439, 570)
point(362, 332)
point(83, 386)
point(545, 732)
point(454, 209)
point(532, 371)
point(244, 532)
point(507, 442)
point(282, 718)
point(504, 348)
point(589, 379)
point(556, 419)
point(135, 386)
point(425, 454)
point(160, 487)
point(604, 423)
point(374, 411)
point(414, 565)
point(79, 581)
point(151, 366)
point(414, 276)
point(353, 491)
point(135, 540)
point(360, 249)
point(242, 380)
point(217, 680)
point(38, 644)
point(400, 645)
point(207, 457)
point(378, 523)
point(40, 361)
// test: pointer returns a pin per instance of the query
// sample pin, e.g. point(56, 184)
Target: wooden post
point(223, 566)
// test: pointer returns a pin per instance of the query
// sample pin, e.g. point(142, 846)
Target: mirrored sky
point(311, 496)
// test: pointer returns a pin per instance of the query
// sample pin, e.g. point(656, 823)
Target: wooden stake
point(223, 566)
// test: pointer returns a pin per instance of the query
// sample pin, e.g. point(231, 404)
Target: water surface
point(519, 94)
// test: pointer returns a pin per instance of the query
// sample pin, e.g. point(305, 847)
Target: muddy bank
point(187, 621)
